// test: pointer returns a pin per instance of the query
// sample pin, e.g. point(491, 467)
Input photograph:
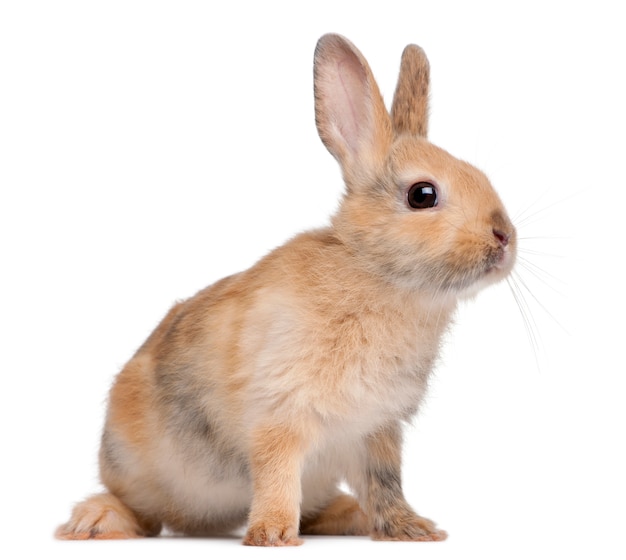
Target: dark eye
point(422, 195)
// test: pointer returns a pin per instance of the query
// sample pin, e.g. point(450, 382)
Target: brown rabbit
point(254, 400)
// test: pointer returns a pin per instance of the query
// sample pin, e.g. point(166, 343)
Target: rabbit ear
point(409, 111)
point(351, 117)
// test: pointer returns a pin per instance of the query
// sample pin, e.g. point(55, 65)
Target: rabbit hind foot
point(104, 516)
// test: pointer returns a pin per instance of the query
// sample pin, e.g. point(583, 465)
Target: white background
point(149, 148)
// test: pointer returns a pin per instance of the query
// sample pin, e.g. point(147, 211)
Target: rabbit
point(257, 402)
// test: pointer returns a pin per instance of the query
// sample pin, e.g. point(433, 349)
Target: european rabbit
point(255, 399)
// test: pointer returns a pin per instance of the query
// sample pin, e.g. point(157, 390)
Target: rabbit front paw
point(272, 534)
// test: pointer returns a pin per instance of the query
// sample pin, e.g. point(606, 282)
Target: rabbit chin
point(492, 275)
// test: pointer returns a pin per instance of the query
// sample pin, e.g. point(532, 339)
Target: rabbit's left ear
point(351, 117)
point(409, 111)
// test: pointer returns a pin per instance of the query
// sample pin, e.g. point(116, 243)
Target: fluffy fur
point(255, 399)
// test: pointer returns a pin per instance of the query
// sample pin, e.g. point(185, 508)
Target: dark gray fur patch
point(385, 486)
point(386, 499)
point(108, 451)
point(179, 399)
point(188, 421)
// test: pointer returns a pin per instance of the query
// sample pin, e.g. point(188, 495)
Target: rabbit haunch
point(253, 401)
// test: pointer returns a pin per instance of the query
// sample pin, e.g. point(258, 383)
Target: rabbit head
point(412, 213)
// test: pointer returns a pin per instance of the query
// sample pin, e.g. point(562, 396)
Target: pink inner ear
point(349, 100)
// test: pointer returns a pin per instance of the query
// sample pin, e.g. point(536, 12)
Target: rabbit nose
point(502, 237)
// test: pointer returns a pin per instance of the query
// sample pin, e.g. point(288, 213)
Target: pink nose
point(502, 237)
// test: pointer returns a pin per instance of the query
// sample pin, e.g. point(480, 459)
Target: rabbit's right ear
point(351, 117)
point(409, 110)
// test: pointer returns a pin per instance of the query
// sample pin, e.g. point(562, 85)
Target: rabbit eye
point(422, 195)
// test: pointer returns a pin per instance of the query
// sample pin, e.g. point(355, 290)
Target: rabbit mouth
point(496, 265)
point(500, 260)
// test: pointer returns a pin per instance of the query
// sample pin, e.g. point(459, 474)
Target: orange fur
point(275, 462)
point(343, 516)
point(254, 400)
point(104, 516)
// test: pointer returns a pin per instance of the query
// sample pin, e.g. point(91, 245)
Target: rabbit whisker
point(530, 324)
point(538, 272)
point(523, 283)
